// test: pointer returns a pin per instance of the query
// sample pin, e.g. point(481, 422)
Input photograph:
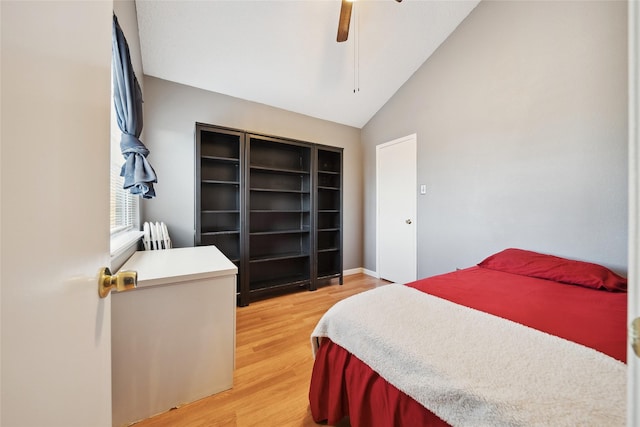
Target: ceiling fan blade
point(345, 18)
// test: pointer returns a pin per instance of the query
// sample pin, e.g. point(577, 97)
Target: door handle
point(634, 334)
point(121, 281)
point(408, 221)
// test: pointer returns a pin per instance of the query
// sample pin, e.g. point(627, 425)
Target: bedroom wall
point(171, 111)
point(125, 10)
point(521, 120)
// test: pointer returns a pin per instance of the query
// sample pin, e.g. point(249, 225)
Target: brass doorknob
point(634, 332)
point(121, 281)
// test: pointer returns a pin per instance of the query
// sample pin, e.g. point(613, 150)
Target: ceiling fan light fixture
point(345, 18)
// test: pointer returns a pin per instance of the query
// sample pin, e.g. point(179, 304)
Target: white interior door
point(56, 331)
point(396, 178)
point(633, 361)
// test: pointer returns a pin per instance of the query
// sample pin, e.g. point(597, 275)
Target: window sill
point(124, 241)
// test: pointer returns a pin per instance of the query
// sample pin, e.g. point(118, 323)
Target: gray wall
point(125, 10)
point(521, 118)
point(171, 111)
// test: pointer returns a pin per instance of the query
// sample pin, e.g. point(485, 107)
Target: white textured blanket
point(475, 369)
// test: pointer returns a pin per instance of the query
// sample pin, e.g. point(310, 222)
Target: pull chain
point(356, 49)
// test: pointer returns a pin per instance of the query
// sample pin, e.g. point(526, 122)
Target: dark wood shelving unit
point(328, 220)
point(219, 198)
point(279, 246)
point(273, 206)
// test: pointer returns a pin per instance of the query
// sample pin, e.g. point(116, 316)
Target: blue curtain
point(138, 174)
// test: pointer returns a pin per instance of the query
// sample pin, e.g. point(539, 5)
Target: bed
point(522, 338)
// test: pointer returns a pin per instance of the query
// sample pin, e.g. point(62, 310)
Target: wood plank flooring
point(273, 363)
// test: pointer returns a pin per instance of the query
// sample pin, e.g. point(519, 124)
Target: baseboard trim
point(360, 270)
point(352, 271)
point(370, 273)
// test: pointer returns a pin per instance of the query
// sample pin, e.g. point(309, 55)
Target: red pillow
point(533, 264)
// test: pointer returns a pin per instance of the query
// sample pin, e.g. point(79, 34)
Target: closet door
point(396, 223)
point(279, 220)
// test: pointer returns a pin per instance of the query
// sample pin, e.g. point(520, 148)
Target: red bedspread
point(342, 385)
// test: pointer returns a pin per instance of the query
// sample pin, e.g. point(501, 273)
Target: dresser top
point(170, 266)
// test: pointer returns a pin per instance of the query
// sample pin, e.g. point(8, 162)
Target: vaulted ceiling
point(284, 53)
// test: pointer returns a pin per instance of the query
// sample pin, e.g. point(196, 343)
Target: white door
point(633, 361)
point(396, 177)
point(56, 332)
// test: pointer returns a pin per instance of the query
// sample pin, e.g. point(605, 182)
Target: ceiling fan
point(345, 18)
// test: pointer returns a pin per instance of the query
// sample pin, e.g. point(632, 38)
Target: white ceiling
point(284, 53)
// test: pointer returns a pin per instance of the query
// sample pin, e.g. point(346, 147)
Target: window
point(126, 109)
point(124, 205)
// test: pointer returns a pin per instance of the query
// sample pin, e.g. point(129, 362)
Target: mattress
point(585, 304)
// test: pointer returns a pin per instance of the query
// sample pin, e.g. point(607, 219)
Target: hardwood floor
point(273, 363)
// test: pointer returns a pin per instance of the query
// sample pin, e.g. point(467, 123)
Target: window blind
point(124, 205)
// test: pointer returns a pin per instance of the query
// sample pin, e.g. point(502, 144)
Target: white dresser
point(173, 338)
